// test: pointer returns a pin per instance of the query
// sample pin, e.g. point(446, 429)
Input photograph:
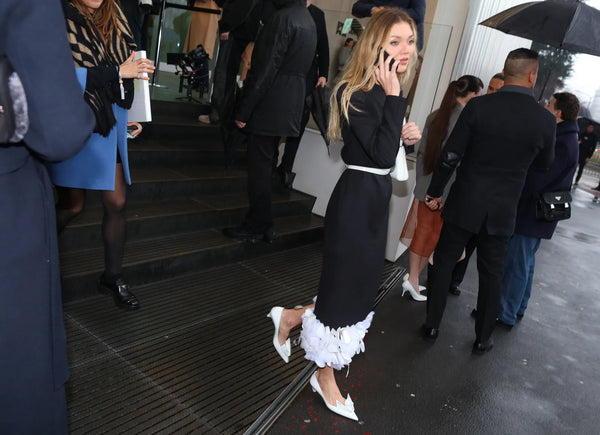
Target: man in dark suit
point(414, 8)
point(496, 139)
point(271, 105)
point(317, 76)
point(33, 346)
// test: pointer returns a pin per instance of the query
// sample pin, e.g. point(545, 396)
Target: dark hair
point(348, 40)
point(438, 126)
point(568, 104)
point(498, 76)
point(519, 62)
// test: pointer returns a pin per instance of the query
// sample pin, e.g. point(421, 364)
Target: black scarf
point(89, 52)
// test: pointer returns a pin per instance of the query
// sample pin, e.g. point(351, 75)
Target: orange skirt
point(422, 229)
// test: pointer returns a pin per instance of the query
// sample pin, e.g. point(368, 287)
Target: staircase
point(180, 200)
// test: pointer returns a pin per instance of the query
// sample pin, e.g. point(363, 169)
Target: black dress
point(356, 225)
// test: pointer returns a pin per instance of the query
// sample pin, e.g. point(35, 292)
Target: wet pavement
point(542, 377)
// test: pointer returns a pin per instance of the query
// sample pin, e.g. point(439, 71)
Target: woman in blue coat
point(33, 354)
point(102, 48)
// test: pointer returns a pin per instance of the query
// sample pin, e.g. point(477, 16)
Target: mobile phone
point(385, 56)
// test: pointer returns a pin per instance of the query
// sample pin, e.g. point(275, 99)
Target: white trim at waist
point(376, 171)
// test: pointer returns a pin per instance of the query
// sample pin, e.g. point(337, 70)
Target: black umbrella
point(320, 110)
point(572, 26)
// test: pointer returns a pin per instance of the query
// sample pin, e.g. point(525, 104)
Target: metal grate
point(197, 358)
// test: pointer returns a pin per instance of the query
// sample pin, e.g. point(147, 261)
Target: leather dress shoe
point(481, 347)
point(504, 325)
point(454, 290)
point(120, 292)
point(243, 234)
point(429, 334)
point(287, 178)
point(474, 313)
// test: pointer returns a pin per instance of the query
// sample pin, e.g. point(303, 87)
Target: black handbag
point(553, 206)
point(14, 121)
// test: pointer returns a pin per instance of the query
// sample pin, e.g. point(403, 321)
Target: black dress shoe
point(504, 325)
point(474, 313)
point(481, 347)
point(454, 290)
point(120, 292)
point(270, 235)
point(429, 334)
point(287, 178)
point(520, 316)
point(243, 234)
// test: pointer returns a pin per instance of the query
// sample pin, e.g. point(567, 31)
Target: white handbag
point(400, 170)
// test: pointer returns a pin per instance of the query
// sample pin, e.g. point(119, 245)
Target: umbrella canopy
point(572, 26)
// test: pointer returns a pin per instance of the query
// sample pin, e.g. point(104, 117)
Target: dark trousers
point(582, 162)
point(458, 274)
point(491, 250)
point(260, 157)
point(226, 70)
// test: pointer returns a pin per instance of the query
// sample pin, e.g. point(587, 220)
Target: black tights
point(70, 204)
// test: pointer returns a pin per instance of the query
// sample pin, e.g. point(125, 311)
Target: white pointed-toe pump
point(284, 350)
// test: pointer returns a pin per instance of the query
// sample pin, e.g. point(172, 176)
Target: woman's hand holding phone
point(386, 74)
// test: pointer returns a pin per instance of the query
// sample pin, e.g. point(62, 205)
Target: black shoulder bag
point(14, 121)
point(553, 206)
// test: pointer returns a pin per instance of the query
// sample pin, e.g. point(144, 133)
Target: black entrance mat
point(196, 358)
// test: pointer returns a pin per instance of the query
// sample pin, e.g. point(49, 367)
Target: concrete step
point(170, 255)
point(153, 219)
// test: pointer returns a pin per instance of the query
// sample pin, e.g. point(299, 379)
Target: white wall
point(483, 50)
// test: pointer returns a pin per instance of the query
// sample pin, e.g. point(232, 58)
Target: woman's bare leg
point(330, 389)
point(416, 264)
point(290, 318)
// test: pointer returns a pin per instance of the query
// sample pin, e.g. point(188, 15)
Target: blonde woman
point(367, 113)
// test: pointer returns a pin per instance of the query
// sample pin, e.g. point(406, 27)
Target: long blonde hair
point(359, 75)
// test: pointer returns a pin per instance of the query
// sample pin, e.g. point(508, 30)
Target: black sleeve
point(544, 159)
point(379, 138)
point(35, 38)
point(269, 51)
point(234, 13)
point(362, 8)
point(322, 44)
point(453, 152)
point(99, 76)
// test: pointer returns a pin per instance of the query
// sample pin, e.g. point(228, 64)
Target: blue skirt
point(94, 166)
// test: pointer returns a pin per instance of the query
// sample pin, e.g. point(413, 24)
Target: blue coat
point(558, 177)
point(94, 166)
point(414, 8)
point(33, 357)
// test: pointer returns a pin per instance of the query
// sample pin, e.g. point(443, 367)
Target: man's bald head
point(521, 67)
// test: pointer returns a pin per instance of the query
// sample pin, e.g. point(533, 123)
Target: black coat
point(496, 139)
point(558, 178)
point(414, 8)
point(588, 144)
point(272, 98)
point(320, 66)
point(33, 358)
